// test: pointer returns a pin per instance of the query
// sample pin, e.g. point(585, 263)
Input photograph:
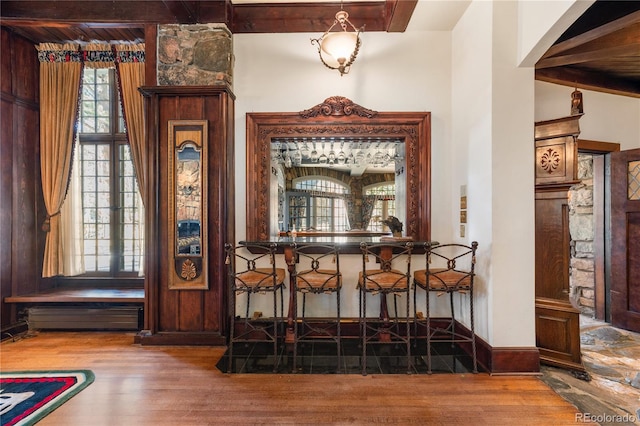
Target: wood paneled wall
point(21, 204)
point(188, 316)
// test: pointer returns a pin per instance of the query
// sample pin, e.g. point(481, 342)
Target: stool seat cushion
point(381, 280)
point(319, 280)
point(259, 278)
point(442, 279)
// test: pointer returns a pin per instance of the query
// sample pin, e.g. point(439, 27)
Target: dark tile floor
point(321, 358)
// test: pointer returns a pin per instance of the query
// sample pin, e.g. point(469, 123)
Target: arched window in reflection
point(383, 198)
point(317, 204)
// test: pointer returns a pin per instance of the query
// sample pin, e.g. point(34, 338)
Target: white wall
point(472, 152)
point(493, 128)
point(607, 118)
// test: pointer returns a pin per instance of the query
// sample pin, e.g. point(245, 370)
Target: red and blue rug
point(27, 396)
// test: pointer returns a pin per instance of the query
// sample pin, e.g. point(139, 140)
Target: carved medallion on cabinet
point(556, 151)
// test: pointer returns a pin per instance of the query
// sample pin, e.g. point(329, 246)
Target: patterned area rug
point(27, 396)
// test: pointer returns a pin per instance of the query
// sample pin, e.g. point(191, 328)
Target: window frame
point(115, 139)
point(312, 207)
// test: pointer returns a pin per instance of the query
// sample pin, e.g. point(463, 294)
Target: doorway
point(590, 230)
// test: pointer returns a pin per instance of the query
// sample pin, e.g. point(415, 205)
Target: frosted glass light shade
point(338, 47)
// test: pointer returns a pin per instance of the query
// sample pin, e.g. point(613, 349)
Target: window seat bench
point(82, 295)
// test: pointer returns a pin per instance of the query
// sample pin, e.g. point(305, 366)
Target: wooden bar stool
point(317, 272)
point(252, 270)
point(385, 280)
point(455, 274)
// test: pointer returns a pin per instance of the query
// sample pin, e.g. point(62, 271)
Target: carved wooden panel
point(557, 325)
point(187, 223)
point(557, 151)
point(555, 160)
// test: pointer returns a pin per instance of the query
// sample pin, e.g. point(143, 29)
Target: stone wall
point(194, 55)
point(581, 226)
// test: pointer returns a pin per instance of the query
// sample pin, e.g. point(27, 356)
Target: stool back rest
point(258, 259)
point(393, 262)
point(458, 258)
point(317, 260)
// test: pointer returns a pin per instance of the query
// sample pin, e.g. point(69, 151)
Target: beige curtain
point(70, 217)
point(129, 60)
point(130, 68)
point(60, 74)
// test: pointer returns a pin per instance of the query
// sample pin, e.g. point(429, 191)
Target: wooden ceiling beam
point(583, 79)
point(87, 11)
point(601, 31)
point(399, 14)
point(388, 15)
point(606, 52)
point(305, 17)
point(184, 11)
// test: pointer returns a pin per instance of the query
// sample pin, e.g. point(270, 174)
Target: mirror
point(333, 185)
point(187, 209)
point(188, 202)
point(338, 118)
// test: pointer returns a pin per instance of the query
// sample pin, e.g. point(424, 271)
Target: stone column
point(194, 55)
point(581, 226)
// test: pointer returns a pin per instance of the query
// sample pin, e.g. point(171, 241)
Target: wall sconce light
point(338, 49)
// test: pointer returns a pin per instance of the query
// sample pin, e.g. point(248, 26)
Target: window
point(112, 210)
point(317, 204)
point(385, 204)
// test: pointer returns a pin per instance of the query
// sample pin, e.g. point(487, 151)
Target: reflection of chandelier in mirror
point(373, 155)
point(338, 49)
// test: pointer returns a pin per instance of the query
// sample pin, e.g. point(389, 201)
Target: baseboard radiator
point(81, 318)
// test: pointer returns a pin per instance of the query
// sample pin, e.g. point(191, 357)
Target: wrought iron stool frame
point(313, 277)
point(448, 280)
point(385, 280)
point(253, 279)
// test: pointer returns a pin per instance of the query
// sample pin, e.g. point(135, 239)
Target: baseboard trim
point(499, 360)
point(515, 360)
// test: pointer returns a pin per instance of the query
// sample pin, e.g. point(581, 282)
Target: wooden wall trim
point(150, 55)
point(597, 147)
point(501, 360)
point(600, 235)
point(515, 360)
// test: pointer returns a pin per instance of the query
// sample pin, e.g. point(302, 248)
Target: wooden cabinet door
point(625, 239)
point(557, 321)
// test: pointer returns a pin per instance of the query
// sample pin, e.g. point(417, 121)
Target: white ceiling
point(437, 15)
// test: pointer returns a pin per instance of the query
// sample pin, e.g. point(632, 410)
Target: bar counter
point(349, 242)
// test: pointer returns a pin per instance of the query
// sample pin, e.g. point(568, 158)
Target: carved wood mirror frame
point(340, 117)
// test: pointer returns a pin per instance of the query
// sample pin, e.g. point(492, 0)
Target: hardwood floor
point(169, 385)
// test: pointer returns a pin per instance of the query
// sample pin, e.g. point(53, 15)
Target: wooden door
point(625, 239)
